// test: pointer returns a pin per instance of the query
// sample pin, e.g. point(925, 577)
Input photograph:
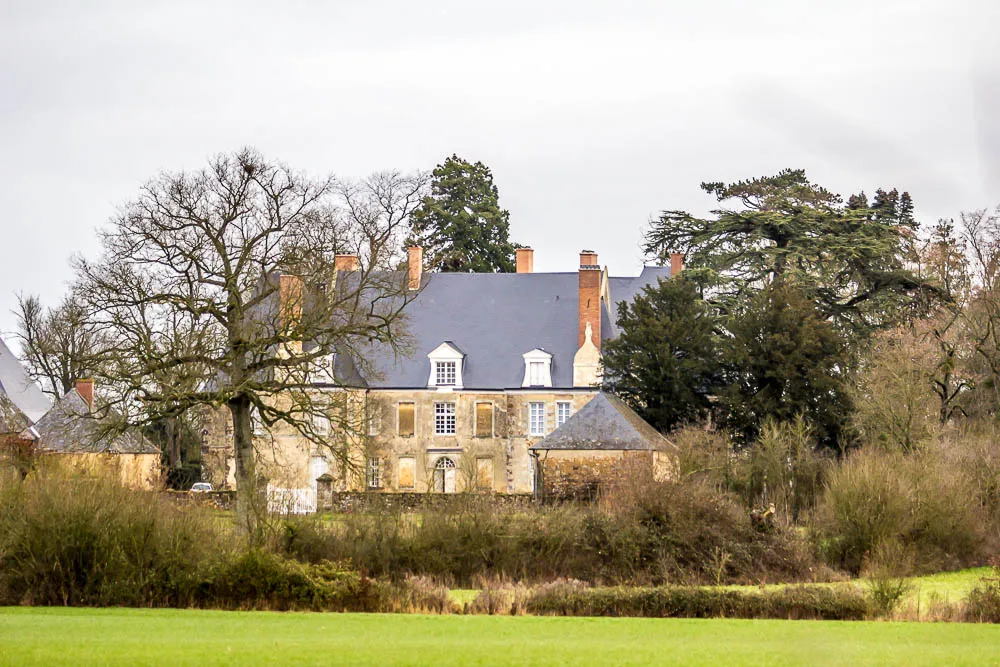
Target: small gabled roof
point(71, 427)
point(604, 423)
point(18, 389)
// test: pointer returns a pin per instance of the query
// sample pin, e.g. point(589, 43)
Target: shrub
point(887, 571)
point(792, 602)
point(919, 500)
point(67, 539)
point(499, 597)
point(983, 602)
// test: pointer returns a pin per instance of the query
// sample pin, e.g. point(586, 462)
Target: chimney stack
point(525, 260)
point(85, 388)
point(676, 263)
point(346, 262)
point(290, 299)
point(415, 264)
point(589, 298)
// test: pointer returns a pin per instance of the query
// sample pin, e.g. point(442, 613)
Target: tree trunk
point(251, 506)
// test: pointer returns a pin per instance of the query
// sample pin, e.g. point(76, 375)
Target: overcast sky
point(592, 115)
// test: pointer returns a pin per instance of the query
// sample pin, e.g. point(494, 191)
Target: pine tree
point(460, 224)
point(665, 361)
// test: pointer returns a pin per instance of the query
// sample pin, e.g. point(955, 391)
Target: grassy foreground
point(60, 636)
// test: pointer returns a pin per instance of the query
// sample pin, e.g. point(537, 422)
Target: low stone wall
point(220, 500)
point(357, 501)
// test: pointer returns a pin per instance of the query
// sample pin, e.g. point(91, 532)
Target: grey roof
point(70, 426)
point(494, 318)
point(18, 388)
point(604, 423)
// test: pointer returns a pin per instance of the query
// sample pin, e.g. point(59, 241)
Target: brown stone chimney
point(525, 260)
point(676, 263)
point(346, 262)
point(415, 262)
point(590, 298)
point(85, 387)
point(290, 297)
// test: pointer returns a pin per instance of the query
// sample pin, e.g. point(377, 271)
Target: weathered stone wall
point(139, 471)
point(353, 501)
point(290, 461)
point(585, 474)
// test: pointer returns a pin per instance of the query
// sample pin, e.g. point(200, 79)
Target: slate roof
point(605, 423)
point(18, 389)
point(70, 426)
point(494, 318)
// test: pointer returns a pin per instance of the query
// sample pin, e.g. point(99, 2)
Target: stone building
point(495, 363)
point(599, 446)
point(76, 434)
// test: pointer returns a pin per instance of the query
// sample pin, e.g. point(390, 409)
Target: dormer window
point(444, 373)
point(447, 361)
point(323, 369)
point(537, 369)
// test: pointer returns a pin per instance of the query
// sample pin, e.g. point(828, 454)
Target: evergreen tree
point(851, 259)
point(785, 360)
point(665, 361)
point(460, 223)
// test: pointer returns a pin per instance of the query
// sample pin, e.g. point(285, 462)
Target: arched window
point(444, 475)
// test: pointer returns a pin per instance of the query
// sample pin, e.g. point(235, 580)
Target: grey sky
point(591, 115)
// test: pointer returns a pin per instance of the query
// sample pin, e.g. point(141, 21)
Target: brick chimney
point(290, 297)
point(415, 262)
point(85, 387)
point(525, 260)
point(589, 298)
point(676, 263)
point(346, 262)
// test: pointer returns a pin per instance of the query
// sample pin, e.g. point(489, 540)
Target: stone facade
point(585, 474)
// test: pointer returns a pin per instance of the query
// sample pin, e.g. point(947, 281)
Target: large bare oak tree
point(220, 287)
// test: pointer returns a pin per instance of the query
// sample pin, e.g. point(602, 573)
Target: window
point(446, 367)
point(484, 474)
point(407, 472)
point(374, 419)
point(404, 420)
point(321, 424)
point(444, 476)
point(374, 473)
point(444, 373)
point(536, 418)
point(562, 412)
point(537, 368)
point(484, 420)
point(444, 419)
point(322, 369)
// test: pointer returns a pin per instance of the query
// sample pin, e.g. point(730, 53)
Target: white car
point(201, 487)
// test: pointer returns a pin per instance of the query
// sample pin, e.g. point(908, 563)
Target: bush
point(792, 602)
point(74, 540)
point(918, 500)
point(652, 533)
point(983, 602)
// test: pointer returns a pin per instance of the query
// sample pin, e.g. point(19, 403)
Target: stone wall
point(353, 501)
point(586, 474)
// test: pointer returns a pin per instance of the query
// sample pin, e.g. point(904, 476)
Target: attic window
point(323, 369)
point(446, 367)
point(444, 373)
point(537, 368)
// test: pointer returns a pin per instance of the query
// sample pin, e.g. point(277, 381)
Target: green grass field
point(57, 636)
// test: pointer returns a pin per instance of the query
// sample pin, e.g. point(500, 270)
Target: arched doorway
point(444, 475)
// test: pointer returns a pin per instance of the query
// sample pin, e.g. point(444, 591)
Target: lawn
point(57, 636)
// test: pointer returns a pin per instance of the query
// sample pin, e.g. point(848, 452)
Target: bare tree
point(227, 277)
point(59, 345)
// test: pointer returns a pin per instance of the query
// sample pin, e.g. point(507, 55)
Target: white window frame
point(536, 418)
point(444, 417)
point(535, 376)
point(446, 353)
point(445, 373)
point(323, 366)
point(321, 424)
point(564, 410)
point(373, 472)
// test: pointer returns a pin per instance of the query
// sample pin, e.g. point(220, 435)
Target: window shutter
point(406, 419)
point(484, 420)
